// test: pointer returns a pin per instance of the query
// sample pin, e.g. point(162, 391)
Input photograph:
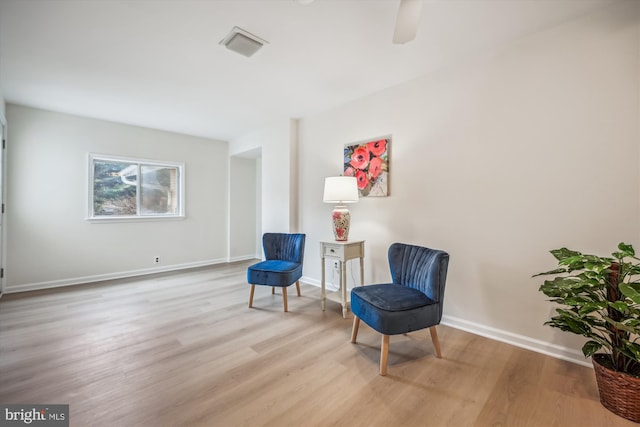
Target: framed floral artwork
point(368, 161)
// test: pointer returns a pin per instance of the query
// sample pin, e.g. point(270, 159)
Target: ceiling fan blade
point(407, 21)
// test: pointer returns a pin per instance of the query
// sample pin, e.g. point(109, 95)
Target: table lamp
point(340, 190)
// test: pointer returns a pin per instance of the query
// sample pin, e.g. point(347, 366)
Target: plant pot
point(619, 392)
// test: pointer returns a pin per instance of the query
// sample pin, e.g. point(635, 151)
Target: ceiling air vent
point(242, 42)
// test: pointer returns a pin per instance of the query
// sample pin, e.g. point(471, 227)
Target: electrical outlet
point(156, 260)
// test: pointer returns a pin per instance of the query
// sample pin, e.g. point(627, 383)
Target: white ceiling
point(157, 63)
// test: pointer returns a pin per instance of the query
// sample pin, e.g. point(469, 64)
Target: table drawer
point(333, 250)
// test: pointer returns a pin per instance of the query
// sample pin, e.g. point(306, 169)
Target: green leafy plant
point(600, 299)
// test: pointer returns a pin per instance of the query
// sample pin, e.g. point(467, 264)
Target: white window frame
point(92, 157)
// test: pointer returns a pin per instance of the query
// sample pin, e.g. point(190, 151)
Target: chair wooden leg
point(284, 298)
point(298, 287)
point(384, 354)
point(253, 288)
point(436, 342)
point(354, 330)
point(273, 290)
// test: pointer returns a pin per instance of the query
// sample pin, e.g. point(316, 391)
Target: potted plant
point(600, 300)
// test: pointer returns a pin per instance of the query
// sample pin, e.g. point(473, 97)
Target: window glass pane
point(125, 187)
point(114, 188)
point(158, 190)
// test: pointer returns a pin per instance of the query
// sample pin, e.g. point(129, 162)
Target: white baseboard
point(522, 341)
point(313, 282)
point(242, 258)
point(109, 276)
point(309, 281)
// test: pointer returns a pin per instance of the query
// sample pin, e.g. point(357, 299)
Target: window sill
point(111, 219)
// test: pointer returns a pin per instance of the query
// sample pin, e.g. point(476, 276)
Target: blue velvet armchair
point(282, 266)
point(412, 302)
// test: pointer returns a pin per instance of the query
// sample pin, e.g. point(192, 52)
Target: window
point(124, 188)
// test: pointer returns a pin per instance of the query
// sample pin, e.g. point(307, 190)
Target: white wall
point(2, 105)
point(294, 175)
point(275, 142)
point(3, 131)
point(242, 207)
point(258, 219)
point(497, 162)
point(49, 241)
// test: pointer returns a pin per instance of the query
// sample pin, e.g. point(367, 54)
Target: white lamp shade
point(340, 189)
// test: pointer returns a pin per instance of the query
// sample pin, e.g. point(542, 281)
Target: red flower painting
point(375, 167)
point(369, 162)
point(363, 180)
point(377, 148)
point(360, 157)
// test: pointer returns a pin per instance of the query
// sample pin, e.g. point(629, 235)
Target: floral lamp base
point(341, 222)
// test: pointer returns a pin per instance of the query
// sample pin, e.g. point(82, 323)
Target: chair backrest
point(419, 268)
point(283, 246)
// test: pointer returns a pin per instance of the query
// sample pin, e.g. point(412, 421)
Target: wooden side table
point(341, 252)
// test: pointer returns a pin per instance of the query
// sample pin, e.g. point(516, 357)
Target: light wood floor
point(184, 349)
